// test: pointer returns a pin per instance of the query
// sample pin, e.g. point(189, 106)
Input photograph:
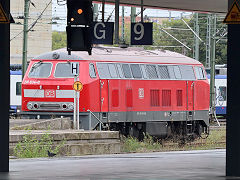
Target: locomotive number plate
point(50, 93)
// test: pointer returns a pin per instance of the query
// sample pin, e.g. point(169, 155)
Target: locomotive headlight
point(29, 106)
point(70, 106)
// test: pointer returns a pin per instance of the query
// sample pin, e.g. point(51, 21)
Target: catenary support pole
point(4, 90)
point(133, 14)
point(233, 98)
point(25, 37)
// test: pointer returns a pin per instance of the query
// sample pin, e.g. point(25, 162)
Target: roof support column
point(4, 90)
point(233, 99)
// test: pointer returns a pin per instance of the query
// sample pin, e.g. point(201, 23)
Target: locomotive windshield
point(63, 70)
point(40, 70)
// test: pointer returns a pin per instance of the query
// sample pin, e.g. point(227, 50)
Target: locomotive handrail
point(101, 123)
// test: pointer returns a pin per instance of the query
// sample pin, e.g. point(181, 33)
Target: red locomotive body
point(131, 90)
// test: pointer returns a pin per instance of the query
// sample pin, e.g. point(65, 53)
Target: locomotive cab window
point(92, 72)
point(40, 70)
point(63, 70)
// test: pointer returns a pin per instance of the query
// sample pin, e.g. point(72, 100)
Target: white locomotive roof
point(112, 54)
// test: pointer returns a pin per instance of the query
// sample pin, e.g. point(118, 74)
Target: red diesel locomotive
point(131, 90)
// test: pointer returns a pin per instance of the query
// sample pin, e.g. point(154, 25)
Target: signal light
point(79, 20)
point(80, 11)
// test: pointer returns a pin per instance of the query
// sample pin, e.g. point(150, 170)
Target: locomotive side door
point(190, 98)
point(104, 98)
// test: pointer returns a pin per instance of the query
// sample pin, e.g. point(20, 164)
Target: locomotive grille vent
point(50, 106)
point(154, 94)
point(166, 97)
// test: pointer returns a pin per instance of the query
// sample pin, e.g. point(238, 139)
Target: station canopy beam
point(204, 6)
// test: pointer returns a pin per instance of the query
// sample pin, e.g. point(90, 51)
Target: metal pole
point(142, 11)
point(116, 22)
point(95, 12)
point(212, 65)
point(196, 52)
point(103, 9)
point(75, 106)
point(133, 14)
point(78, 97)
point(123, 25)
point(4, 91)
point(208, 40)
point(25, 36)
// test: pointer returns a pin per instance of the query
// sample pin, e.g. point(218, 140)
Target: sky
point(59, 12)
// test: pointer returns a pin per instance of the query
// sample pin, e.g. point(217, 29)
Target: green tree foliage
point(59, 40)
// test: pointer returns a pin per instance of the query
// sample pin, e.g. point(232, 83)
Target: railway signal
point(79, 20)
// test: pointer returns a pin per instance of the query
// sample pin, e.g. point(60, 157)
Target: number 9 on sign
point(141, 33)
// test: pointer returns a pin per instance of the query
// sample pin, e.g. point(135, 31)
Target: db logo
point(50, 93)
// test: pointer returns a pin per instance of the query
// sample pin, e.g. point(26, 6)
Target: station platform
point(177, 165)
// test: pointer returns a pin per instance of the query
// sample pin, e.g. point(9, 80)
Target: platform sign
point(141, 33)
point(74, 68)
point(3, 16)
point(102, 32)
point(233, 15)
point(77, 86)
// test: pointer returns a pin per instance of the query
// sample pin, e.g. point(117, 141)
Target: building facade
point(39, 25)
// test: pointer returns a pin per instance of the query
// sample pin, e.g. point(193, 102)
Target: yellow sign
point(77, 86)
point(3, 16)
point(233, 15)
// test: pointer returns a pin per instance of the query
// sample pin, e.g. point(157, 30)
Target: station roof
point(211, 6)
